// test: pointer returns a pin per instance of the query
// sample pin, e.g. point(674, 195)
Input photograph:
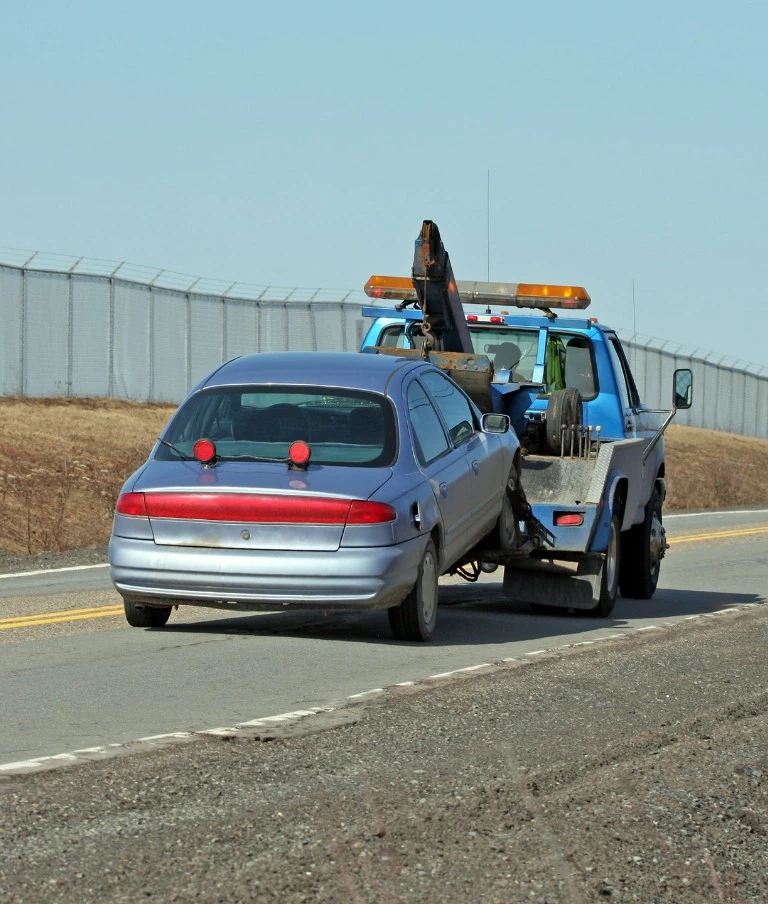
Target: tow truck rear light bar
point(541, 296)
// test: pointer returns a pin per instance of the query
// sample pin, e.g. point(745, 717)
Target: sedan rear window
point(342, 426)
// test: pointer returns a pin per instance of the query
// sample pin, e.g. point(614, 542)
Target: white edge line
point(669, 515)
point(294, 716)
point(29, 574)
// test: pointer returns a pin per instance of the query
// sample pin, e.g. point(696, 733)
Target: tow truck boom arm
point(445, 326)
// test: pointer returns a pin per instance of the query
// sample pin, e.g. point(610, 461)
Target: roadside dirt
point(63, 461)
point(635, 770)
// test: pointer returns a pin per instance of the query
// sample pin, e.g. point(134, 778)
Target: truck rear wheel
point(642, 549)
point(563, 411)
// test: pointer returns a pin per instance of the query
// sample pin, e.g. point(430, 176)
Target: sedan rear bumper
point(346, 578)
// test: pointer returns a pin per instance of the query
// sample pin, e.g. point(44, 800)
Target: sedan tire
point(415, 617)
point(139, 615)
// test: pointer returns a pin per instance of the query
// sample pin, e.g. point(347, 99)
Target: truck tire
point(415, 617)
point(609, 577)
point(140, 616)
point(564, 410)
point(642, 549)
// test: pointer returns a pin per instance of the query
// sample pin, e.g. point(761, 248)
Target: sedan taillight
point(132, 504)
point(255, 508)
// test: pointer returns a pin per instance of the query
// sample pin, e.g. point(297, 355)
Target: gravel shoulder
point(11, 563)
point(636, 770)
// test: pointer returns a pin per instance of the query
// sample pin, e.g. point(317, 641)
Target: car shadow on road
point(469, 615)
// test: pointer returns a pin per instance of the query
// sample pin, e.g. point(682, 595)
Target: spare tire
point(564, 410)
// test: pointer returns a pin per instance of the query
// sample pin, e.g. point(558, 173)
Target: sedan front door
point(482, 451)
point(447, 470)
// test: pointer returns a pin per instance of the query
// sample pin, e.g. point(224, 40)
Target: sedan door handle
point(476, 467)
point(444, 490)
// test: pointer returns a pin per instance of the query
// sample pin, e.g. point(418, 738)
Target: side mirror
point(683, 388)
point(495, 423)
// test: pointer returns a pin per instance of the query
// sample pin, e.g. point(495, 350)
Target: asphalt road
point(74, 675)
point(633, 769)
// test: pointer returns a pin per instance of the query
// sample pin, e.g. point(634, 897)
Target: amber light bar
point(521, 295)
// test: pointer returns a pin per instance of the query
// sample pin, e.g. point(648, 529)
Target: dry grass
point(63, 461)
point(711, 470)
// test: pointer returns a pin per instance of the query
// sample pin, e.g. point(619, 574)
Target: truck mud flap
point(553, 585)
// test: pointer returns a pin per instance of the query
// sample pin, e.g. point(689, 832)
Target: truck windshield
point(343, 426)
point(568, 361)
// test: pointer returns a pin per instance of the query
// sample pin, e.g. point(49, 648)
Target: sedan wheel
point(140, 616)
point(415, 617)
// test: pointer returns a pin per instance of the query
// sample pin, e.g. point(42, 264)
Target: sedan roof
point(349, 369)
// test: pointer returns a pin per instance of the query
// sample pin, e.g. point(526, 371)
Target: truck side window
point(393, 337)
point(630, 395)
point(430, 439)
point(453, 405)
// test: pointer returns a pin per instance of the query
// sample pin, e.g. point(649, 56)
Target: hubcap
point(428, 589)
point(658, 543)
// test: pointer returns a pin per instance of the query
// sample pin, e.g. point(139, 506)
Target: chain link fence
point(84, 327)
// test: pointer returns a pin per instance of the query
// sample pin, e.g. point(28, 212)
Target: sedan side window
point(429, 438)
point(453, 405)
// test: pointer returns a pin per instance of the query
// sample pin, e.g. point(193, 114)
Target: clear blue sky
point(301, 144)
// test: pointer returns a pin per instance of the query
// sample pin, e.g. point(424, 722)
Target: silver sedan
point(312, 480)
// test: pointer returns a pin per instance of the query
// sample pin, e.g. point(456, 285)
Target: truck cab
point(539, 355)
point(593, 468)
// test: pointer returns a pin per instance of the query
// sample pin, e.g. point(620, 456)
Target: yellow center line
point(53, 614)
point(55, 618)
point(70, 615)
point(717, 535)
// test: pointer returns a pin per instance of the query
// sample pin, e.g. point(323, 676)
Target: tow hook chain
point(537, 533)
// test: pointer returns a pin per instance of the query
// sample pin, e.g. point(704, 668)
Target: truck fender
point(614, 498)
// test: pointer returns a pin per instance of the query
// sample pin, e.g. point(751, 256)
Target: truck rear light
point(568, 519)
point(497, 319)
point(471, 318)
point(132, 504)
point(255, 508)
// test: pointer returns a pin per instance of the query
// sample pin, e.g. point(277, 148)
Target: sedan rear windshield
point(342, 426)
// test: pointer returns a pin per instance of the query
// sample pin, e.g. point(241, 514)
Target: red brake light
point(132, 504)
point(299, 452)
point(496, 319)
point(370, 513)
point(569, 519)
point(204, 451)
point(471, 318)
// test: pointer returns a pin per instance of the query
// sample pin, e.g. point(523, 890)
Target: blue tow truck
point(584, 517)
